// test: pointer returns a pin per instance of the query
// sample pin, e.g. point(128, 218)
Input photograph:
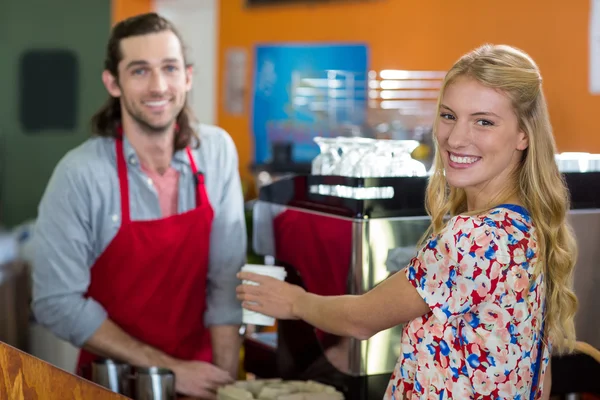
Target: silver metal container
point(153, 383)
point(113, 375)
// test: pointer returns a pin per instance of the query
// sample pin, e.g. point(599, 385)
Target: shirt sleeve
point(228, 243)
point(62, 253)
point(460, 268)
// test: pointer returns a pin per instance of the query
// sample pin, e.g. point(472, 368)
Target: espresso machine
point(335, 235)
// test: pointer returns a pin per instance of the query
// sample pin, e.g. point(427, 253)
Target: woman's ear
point(523, 142)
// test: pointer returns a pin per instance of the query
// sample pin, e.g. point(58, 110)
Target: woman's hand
point(271, 296)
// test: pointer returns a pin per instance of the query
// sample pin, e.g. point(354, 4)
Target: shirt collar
point(180, 161)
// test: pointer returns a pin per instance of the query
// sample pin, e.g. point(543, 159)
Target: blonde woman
point(489, 294)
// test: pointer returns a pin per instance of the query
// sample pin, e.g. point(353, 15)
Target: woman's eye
point(485, 122)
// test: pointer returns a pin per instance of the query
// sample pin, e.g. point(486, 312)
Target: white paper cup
point(252, 317)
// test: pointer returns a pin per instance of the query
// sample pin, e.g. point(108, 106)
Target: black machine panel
point(408, 194)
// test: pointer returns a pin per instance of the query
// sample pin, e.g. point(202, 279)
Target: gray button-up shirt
point(80, 214)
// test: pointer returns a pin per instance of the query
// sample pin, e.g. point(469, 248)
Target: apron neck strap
point(123, 181)
point(198, 179)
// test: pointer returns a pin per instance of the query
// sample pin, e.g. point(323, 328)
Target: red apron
point(320, 249)
point(151, 279)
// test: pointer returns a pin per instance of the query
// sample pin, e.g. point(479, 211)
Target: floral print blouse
point(482, 338)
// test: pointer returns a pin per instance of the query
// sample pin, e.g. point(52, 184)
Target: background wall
point(121, 9)
point(431, 35)
point(28, 160)
point(197, 22)
point(403, 35)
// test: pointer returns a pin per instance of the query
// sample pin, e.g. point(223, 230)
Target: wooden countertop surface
point(24, 377)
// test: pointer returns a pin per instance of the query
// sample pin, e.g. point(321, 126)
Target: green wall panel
point(27, 160)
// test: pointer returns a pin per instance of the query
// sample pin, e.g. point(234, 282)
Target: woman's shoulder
point(500, 217)
point(504, 225)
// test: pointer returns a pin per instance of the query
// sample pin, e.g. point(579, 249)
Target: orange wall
point(432, 34)
point(122, 9)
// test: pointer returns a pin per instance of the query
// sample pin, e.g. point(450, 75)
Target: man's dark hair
point(106, 121)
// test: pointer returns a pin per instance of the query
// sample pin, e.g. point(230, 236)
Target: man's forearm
point(226, 342)
point(112, 342)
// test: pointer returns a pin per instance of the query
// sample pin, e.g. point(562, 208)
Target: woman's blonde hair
point(538, 183)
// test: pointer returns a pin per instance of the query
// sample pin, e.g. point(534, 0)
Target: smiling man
point(132, 256)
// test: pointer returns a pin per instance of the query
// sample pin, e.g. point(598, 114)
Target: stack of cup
point(252, 317)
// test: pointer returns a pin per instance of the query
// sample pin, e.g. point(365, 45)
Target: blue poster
point(302, 91)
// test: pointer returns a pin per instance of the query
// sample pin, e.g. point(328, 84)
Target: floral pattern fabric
point(482, 338)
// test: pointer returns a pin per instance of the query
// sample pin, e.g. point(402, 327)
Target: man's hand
point(199, 379)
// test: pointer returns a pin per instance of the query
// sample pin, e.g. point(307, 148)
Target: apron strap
point(198, 178)
point(123, 181)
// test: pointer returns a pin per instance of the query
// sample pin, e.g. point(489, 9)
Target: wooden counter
point(24, 377)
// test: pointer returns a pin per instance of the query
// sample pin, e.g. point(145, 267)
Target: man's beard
point(148, 127)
